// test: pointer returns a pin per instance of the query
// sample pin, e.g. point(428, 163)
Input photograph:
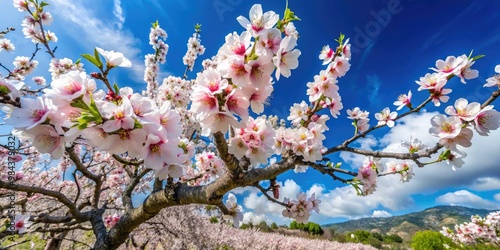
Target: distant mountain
point(407, 225)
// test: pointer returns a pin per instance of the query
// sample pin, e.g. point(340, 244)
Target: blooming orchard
point(193, 141)
point(479, 230)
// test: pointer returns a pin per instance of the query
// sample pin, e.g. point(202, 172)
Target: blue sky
point(396, 42)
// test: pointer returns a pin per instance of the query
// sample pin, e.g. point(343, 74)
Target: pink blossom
point(494, 80)
point(235, 209)
point(466, 73)
point(111, 220)
point(237, 103)
point(339, 67)
point(114, 59)
point(258, 97)
point(6, 45)
point(327, 54)
point(119, 116)
point(286, 58)
point(452, 65)
point(386, 117)
point(439, 95)
point(269, 40)
point(21, 223)
point(236, 44)
point(32, 112)
point(158, 150)
point(357, 114)
point(445, 127)
point(414, 145)
point(464, 110)
point(47, 140)
point(258, 21)
point(486, 120)
point(403, 100)
point(298, 113)
point(70, 86)
point(432, 81)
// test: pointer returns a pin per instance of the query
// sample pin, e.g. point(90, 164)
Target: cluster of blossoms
point(207, 167)
point(324, 89)
point(111, 220)
point(479, 230)
point(404, 168)
point(455, 129)
point(157, 36)
point(194, 49)
point(301, 209)
point(33, 23)
point(23, 66)
point(306, 141)
point(445, 70)
point(306, 136)
point(242, 76)
point(122, 122)
point(255, 141)
point(367, 175)
point(360, 119)
point(176, 90)
point(60, 67)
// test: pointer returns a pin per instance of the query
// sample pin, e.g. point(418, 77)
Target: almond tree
point(87, 151)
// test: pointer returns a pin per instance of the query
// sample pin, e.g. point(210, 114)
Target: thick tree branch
point(229, 159)
point(182, 194)
point(127, 193)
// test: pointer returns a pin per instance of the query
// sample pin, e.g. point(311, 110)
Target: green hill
point(406, 225)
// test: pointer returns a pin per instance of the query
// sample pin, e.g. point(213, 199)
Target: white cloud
point(254, 218)
point(381, 213)
point(478, 173)
point(466, 198)
point(496, 197)
point(485, 184)
point(94, 32)
point(118, 12)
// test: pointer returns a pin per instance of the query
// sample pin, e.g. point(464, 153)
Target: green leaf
point(197, 28)
point(43, 4)
point(79, 103)
point(290, 15)
point(4, 90)
point(95, 111)
point(85, 118)
point(82, 126)
point(78, 61)
point(117, 90)
point(478, 57)
point(155, 24)
point(341, 39)
point(91, 59)
point(444, 155)
point(98, 58)
point(137, 124)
